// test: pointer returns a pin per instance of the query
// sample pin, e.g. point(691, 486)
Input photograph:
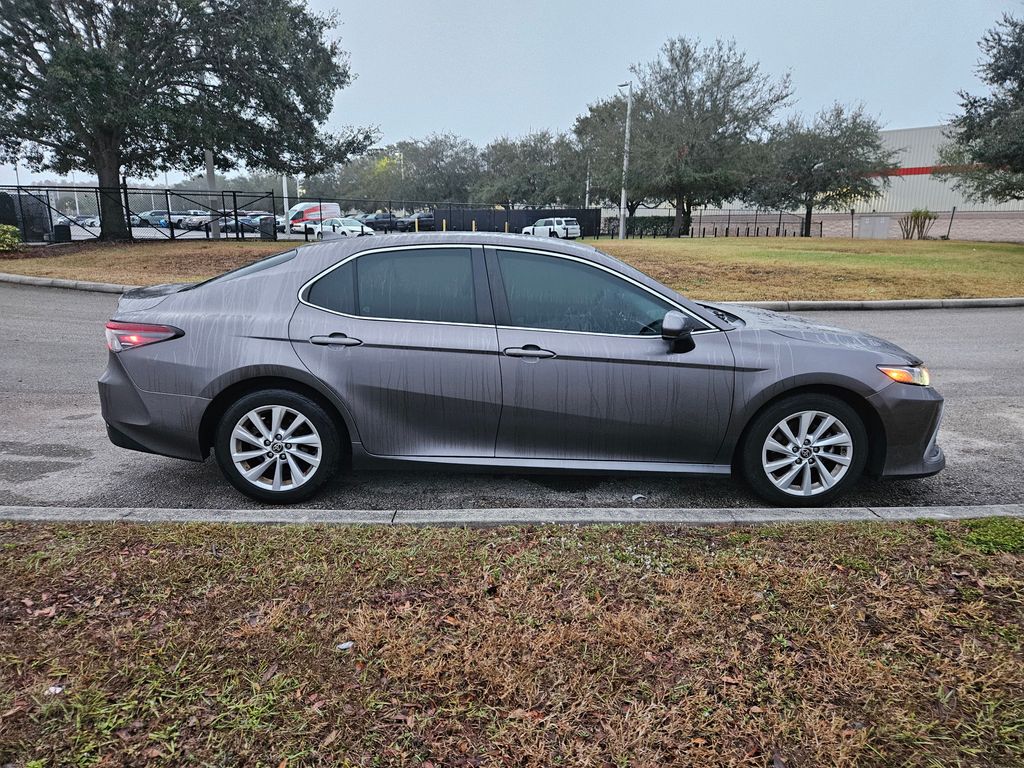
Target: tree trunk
point(113, 218)
point(684, 218)
point(807, 221)
point(632, 206)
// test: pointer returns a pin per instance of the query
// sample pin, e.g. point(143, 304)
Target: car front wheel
point(277, 446)
point(804, 450)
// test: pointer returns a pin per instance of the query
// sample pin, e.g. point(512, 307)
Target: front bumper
point(911, 417)
point(153, 422)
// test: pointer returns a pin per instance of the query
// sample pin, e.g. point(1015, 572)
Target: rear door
point(585, 372)
point(406, 338)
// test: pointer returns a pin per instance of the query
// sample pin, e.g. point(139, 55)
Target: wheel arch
point(869, 416)
point(238, 388)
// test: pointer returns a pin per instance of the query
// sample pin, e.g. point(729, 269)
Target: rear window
point(572, 222)
point(250, 269)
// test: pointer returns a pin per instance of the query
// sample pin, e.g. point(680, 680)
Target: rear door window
point(425, 284)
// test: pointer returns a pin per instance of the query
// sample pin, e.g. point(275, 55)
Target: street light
point(625, 159)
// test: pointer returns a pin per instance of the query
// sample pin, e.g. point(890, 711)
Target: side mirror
point(676, 330)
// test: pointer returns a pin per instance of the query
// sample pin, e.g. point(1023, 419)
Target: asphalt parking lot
point(54, 449)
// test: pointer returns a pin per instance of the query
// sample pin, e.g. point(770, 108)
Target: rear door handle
point(530, 351)
point(335, 340)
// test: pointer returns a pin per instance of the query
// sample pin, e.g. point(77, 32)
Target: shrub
point(10, 238)
point(917, 223)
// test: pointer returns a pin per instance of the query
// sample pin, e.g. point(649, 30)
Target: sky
point(484, 69)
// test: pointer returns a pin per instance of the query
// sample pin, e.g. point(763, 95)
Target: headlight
point(907, 374)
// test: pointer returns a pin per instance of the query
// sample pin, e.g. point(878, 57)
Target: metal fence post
point(950, 227)
point(127, 208)
point(170, 216)
point(234, 212)
point(851, 222)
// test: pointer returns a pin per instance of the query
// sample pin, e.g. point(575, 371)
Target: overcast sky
point(485, 69)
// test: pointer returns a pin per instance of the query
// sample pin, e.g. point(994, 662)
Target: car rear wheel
point(277, 446)
point(553, 234)
point(804, 450)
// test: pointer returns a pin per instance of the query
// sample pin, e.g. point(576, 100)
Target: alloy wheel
point(276, 448)
point(807, 453)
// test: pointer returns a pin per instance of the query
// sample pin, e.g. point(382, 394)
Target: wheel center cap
point(277, 447)
point(805, 453)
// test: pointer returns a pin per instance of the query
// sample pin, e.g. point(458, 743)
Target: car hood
point(802, 329)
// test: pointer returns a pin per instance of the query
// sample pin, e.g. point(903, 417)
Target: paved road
point(53, 448)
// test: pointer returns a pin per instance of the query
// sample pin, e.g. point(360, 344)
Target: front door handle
point(530, 351)
point(335, 340)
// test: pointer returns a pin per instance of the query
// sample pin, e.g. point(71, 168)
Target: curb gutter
point(57, 282)
point(508, 516)
point(778, 306)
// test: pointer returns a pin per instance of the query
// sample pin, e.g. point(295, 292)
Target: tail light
point(122, 336)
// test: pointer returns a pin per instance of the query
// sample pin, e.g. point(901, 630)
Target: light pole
point(625, 159)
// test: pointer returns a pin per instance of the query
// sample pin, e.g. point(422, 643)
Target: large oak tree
point(835, 160)
point(143, 86)
point(705, 108)
point(986, 154)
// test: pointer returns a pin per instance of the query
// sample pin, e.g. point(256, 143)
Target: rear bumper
point(911, 416)
point(152, 422)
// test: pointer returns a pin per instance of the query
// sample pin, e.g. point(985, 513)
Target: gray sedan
point(506, 353)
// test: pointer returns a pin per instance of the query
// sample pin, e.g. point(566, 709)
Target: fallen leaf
point(329, 738)
point(756, 710)
point(731, 680)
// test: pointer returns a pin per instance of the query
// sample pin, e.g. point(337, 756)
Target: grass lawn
point(811, 645)
point(743, 269)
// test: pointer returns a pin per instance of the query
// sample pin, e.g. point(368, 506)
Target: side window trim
point(503, 316)
point(483, 304)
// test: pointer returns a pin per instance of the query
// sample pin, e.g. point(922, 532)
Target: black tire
point(553, 234)
point(750, 451)
point(319, 235)
point(325, 428)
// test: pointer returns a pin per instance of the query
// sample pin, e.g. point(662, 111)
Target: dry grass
point(815, 645)
point(788, 269)
point(139, 263)
point(715, 269)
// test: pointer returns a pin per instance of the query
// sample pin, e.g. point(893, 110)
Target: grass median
point(800, 645)
point(724, 269)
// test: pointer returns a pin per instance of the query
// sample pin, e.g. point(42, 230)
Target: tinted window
point(249, 269)
point(433, 285)
point(563, 295)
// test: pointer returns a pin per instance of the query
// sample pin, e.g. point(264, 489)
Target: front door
point(405, 337)
point(586, 375)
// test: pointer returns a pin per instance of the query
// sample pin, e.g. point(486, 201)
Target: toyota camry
point(503, 352)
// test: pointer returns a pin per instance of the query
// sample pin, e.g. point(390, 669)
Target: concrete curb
point(778, 306)
point(813, 306)
point(57, 282)
point(507, 516)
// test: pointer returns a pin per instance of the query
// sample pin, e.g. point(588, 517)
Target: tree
point(986, 152)
point(704, 109)
point(601, 134)
point(142, 86)
point(537, 169)
point(834, 161)
point(442, 167)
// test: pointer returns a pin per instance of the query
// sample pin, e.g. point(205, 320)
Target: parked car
point(422, 221)
point(564, 228)
point(345, 227)
point(178, 217)
point(155, 218)
point(248, 221)
point(382, 222)
point(470, 349)
point(200, 220)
